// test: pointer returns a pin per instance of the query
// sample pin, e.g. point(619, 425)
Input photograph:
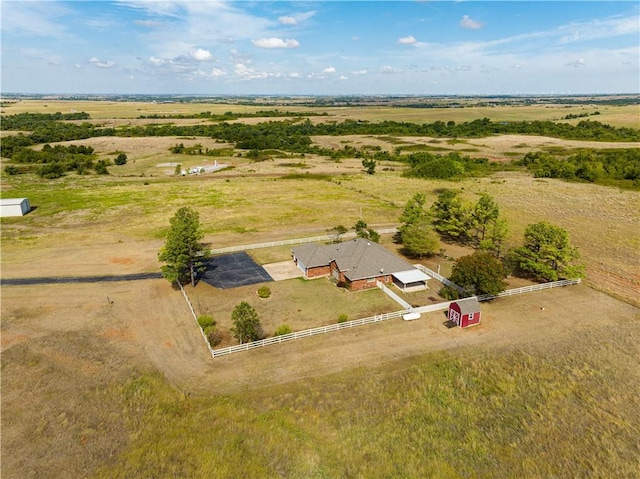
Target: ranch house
point(359, 264)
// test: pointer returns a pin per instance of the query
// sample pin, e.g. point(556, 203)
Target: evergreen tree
point(363, 231)
point(413, 211)
point(547, 253)
point(419, 239)
point(451, 217)
point(183, 252)
point(485, 212)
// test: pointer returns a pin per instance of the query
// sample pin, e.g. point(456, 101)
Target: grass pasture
point(114, 380)
point(297, 302)
point(105, 110)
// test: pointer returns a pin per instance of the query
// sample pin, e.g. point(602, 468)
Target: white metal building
point(14, 207)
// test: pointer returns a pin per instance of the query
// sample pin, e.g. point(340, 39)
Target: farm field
point(106, 110)
point(114, 379)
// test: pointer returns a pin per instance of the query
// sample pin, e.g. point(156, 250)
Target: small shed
point(465, 312)
point(14, 207)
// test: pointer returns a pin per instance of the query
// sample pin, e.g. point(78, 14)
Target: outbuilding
point(14, 207)
point(465, 312)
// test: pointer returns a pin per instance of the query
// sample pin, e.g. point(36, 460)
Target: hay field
point(103, 110)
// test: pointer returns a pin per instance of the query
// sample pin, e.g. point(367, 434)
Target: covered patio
point(411, 280)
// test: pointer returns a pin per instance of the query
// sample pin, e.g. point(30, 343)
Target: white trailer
point(14, 207)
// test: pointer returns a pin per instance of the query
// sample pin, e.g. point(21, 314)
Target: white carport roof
point(411, 276)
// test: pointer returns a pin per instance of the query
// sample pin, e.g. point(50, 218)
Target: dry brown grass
point(107, 110)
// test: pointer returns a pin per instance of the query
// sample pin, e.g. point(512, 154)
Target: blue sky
point(320, 47)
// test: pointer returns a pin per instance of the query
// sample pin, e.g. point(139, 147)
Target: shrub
point(343, 318)
point(11, 170)
point(101, 167)
point(264, 291)
point(121, 159)
point(206, 321)
point(213, 336)
point(282, 330)
point(50, 171)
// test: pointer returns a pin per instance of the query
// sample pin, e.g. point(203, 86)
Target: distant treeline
point(229, 115)
point(295, 135)
point(594, 166)
point(32, 121)
point(53, 162)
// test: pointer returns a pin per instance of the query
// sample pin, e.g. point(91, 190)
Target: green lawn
point(300, 303)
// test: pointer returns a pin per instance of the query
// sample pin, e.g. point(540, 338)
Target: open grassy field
point(114, 380)
point(104, 110)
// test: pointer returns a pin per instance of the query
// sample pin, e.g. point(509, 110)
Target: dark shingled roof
point(357, 259)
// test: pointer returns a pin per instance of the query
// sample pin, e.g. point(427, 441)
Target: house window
point(471, 316)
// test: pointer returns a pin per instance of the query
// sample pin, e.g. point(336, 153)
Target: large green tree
point(183, 252)
point(547, 253)
point(479, 273)
point(413, 211)
point(246, 324)
point(419, 239)
point(451, 217)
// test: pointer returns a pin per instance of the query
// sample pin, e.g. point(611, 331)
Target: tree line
point(294, 135)
point(593, 166)
point(546, 253)
point(229, 115)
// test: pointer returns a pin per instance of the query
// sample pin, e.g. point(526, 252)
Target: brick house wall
point(368, 283)
point(318, 271)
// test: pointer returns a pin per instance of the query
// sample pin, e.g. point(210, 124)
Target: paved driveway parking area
point(233, 270)
point(283, 270)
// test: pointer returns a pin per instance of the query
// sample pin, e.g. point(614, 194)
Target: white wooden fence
point(306, 333)
point(440, 278)
point(271, 244)
point(393, 295)
point(195, 318)
point(372, 319)
point(529, 289)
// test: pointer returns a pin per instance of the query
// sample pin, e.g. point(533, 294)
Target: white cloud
point(147, 23)
point(360, 72)
point(44, 19)
point(342, 77)
point(100, 64)
point(579, 63)
point(296, 18)
point(329, 70)
point(410, 40)
point(287, 20)
point(390, 69)
point(201, 55)
point(276, 43)
point(468, 22)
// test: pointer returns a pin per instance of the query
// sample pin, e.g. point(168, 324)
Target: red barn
point(465, 312)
